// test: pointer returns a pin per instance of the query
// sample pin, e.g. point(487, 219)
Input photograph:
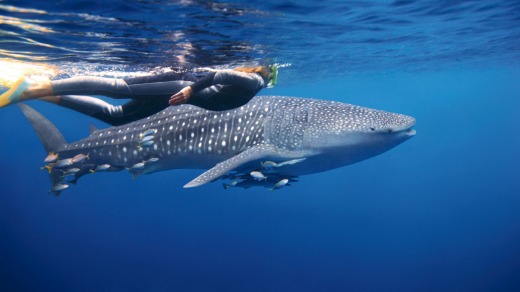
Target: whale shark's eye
point(389, 130)
point(372, 129)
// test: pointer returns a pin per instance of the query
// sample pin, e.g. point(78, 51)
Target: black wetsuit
point(215, 90)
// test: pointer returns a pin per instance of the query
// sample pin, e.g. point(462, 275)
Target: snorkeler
point(212, 89)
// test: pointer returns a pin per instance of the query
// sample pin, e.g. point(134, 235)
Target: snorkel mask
point(273, 70)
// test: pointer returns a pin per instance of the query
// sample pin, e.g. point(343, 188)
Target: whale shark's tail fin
point(51, 138)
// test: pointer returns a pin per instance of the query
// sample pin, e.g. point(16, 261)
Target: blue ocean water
point(440, 212)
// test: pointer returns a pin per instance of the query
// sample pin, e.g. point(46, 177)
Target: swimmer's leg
point(98, 108)
point(90, 85)
point(86, 85)
point(86, 104)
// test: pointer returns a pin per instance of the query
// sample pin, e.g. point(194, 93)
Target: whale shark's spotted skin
point(182, 131)
point(317, 134)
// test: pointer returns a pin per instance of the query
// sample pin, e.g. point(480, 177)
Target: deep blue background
point(440, 212)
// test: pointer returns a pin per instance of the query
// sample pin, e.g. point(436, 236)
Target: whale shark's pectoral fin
point(254, 153)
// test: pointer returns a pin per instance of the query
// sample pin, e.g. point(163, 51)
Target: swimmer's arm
point(222, 77)
point(185, 93)
point(181, 96)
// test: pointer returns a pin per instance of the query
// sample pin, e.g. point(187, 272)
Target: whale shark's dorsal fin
point(256, 152)
point(92, 129)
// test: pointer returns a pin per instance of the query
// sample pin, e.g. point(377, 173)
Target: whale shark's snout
point(402, 130)
point(402, 126)
point(407, 126)
point(410, 131)
point(387, 122)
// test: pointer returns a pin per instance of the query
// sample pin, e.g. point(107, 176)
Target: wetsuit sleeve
point(205, 82)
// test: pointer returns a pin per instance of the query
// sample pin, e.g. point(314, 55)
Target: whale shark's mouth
point(410, 132)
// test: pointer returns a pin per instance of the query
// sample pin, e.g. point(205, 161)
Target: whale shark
point(269, 142)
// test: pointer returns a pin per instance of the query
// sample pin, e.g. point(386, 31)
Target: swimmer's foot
point(14, 94)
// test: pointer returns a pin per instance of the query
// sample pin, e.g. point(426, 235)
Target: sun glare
point(12, 70)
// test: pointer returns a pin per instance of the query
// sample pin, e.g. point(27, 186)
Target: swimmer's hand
point(181, 96)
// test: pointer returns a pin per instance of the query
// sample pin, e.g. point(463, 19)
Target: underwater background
point(441, 212)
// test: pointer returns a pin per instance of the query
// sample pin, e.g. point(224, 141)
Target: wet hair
point(262, 70)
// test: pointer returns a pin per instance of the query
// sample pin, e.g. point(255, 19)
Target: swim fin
point(14, 94)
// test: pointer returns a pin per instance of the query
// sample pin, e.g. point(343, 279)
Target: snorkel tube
point(273, 69)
